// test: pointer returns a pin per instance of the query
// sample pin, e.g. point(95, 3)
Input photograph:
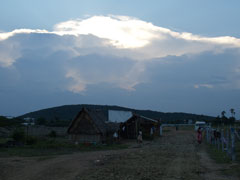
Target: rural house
point(98, 126)
point(130, 128)
point(92, 126)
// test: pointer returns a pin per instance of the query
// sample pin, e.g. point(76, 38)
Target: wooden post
point(222, 139)
point(127, 130)
point(136, 126)
point(237, 135)
point(160, 130)
point(228, 140)
point(215, 139)
point(207, 135)
point(210, 135)
point(233, 155)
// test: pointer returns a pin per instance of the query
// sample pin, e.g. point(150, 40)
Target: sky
point(169, 56)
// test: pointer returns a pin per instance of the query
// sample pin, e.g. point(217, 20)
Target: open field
point(55, 147)
point(176, 155)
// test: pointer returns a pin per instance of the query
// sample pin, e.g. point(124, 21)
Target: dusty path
point(174, 156)
point(60, 167)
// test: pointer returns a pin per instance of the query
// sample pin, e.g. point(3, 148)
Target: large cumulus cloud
point(115, 50)
point(127, 36)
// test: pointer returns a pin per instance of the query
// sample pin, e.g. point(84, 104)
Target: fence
point(43, 130)
point(224, 140)
point(172, 125)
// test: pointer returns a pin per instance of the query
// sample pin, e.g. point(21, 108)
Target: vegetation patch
point(218, 155)
point(233, 168)
point(51, 147)
point(166, 130)
point(186, 128)
point(43, 158)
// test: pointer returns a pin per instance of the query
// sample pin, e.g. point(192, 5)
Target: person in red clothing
point(199, 135)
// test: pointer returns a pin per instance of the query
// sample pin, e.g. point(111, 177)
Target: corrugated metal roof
point(119, 116)
point(148, 118)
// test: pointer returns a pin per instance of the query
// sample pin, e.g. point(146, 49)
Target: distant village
point(92, 125)
point(95, 126)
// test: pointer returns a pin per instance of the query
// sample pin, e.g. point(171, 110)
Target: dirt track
point(174, 156)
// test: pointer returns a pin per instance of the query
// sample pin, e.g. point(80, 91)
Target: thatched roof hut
point(130, 129)
point(91, 126)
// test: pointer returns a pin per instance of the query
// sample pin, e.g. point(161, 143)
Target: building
point(130, 129)
point(98, 126)
point(28, 121)
point(92, 126)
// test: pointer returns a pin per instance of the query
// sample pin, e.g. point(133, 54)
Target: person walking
point(139, 138)
point(115, 136)
point(199, 135)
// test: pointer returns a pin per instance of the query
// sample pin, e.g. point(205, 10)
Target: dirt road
point(176, 155)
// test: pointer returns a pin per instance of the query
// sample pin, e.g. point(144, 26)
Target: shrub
point(19, 135)
point(30, 140)
point(41, 121)
point(52, 134)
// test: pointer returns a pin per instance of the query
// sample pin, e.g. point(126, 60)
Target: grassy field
point(218, 155)
point(222, 158)
point(238, 151)
point(50, 147)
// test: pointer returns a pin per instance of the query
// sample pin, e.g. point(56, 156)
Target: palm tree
point(223, 113)
point(223, 119)
point(232, 119)
point(232, 112)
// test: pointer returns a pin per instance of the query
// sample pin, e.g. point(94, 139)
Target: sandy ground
point(174, 156)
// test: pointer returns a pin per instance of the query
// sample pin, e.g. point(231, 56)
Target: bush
point(41, 121)
point(52, 134)
point(31, 140)
point(19, 135)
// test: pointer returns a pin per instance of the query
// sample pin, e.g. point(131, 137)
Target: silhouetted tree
point(19, 135)
point(231, 120)
point(218, 120)
point(232, 112)
point(225, 120)
point(52, 134)
point(41, 121)
point(223, 113)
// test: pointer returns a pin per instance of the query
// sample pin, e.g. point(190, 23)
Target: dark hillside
point(68, 112)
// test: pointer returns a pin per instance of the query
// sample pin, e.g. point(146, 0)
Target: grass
point(187, 128)
point(238, 151)
point(217, 155)
point(221, 158)
point(43, 158)
point(52, 147)
point(180, 128)
point(3, 140)
point(166, 130)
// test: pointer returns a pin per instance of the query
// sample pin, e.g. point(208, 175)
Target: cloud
point(97, 69)
point(79, 85)
point(121, 36)
point(122, 31)
point(45, 77)
point(132, 78)
point(128, 32)
point(127, 43)
point(203, 85)
point(6, 35)
point(9, 52)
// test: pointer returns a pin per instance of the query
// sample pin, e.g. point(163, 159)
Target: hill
point(67, 112)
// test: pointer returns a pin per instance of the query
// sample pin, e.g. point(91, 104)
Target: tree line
point(223, 119)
